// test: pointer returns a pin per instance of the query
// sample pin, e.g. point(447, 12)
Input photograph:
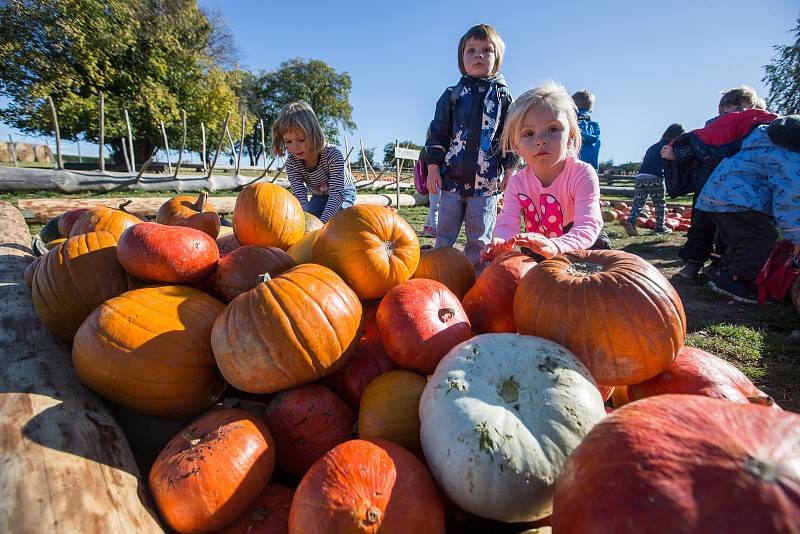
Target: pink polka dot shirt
point(573, 197)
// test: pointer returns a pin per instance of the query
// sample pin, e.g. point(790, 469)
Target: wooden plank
point(66, 465)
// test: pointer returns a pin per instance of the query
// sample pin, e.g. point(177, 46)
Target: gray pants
point(652, 186)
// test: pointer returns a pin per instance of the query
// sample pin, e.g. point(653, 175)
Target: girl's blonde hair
point(297, 115)
point(554, 96)
point(482, 32)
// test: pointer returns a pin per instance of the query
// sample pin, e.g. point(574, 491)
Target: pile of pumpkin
point(676, 218)
point(472, 399)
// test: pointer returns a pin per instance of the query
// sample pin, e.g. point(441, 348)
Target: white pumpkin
point(499, 416)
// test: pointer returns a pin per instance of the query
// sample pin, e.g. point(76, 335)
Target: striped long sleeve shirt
point(329, 178)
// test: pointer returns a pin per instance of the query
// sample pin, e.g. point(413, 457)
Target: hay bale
point(25, 152)
point(43, 154)
point(5, 152)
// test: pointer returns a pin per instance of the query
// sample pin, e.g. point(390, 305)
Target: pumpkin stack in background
point(334, 377)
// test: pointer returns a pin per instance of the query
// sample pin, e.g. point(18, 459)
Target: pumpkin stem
point(373, 516)
point(124, 205)
point(264, 278)
point(445, 314)
point(201, 202)
point(763, 400)
point(509, 390)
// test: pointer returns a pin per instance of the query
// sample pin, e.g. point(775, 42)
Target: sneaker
point(428, 231)
point(630, 229)
point(663, 231)
point(727, 284)
point(690, 270)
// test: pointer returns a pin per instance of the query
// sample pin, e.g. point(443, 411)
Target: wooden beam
point(56, 131)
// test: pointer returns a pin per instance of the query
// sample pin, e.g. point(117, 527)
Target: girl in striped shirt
point(312, 166)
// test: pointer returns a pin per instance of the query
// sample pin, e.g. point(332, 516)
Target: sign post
point(400, 155)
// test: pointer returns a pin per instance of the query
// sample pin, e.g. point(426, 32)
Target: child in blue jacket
point(590, 130)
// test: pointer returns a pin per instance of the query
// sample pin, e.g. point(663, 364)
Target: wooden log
point(43, 154)
point(40, 210)
point(25, 152)
point(66, 465)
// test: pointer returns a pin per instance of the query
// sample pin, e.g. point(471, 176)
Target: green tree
point(782, 77)
point(325, 90)
point(388, 151)
point(369, 153)
point(151, 57)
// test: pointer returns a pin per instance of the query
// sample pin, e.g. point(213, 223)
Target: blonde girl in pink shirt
point(557, 195)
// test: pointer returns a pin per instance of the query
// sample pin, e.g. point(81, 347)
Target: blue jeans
point(317, 203)
point(478, 214)
point(433, 210)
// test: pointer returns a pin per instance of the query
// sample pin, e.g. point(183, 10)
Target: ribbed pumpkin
point(301, 252)
point(489, 304)
point(683, 463)
point(447, 265)
point(267, 215)
point(372, 247)
point(226, 242)
point(149, 349)
point(307, 421)
point(211, 472)
point(269, 513)
point(30, 271)
point(311, 222)
point(287, 330)
point(68, 220)
point(239, 271)
point(390, 409)
point(50, 231)
point(167, 254)
point(696, 372)
point(198, 213)
point(367, 361)
point(54, 243)
point(612, 309)
point(105, 219)
point(74, 278)
point(367, 487)
point(619, 397)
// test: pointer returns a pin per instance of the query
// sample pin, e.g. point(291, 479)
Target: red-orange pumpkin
point(226, 242)
point(74, 278)
point(489, 304)
point(612, 309)
point(198, 213)
point(268, 215)
point(211, 472)
point(696, 372)
point(390, 409)
point(420, 320)
point(371, 247)
point(269, 513)
point(367, 361)
point(287, 330)
point(447, 265)
point(168, 254)
point(683, 463)
point(68, 220)
point(105, 219)
point(239, 271)
point(367, 486)
point(307, 421)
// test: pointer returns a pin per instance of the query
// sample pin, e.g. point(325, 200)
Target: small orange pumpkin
point(239, 271)
point(312, 222)
point(447, 265)
point(269, 513)
point(105, 219)
point(211, 472)
point(199, 214)
point(301, 252)
point(268, 215)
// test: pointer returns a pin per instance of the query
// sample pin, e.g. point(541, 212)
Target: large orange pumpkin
point(301, 252)
point(612, 309)
point(269, 513)
point(150, 350)
point(447, 265)
point(267, 215)
point(211, 472)
point(287, 330)
point(239, 271)
point(367, 487)
point(390, 409)
point(489, 304)
point(311, 222)
point(105, 219)
point(683, 463)
point(68, 220)
point(307, 421)
point(74, 278)
point(198, 213)
point(372, 247)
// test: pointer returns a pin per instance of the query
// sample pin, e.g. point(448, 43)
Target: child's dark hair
point(482, 32)
point(672, 131)
point(584, 100)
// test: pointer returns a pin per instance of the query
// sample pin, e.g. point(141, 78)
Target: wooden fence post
point(166, 146)
point(55, 129)
point(239, 152)
point(183, 144)
point(102, 133)
point(130, 143)
point(203, 136)
point(219, 145)
point(397, 175)
point(13, 151)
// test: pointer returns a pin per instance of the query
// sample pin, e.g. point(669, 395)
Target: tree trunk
point(142, 149)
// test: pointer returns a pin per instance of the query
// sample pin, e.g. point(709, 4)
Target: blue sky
point(649, 64)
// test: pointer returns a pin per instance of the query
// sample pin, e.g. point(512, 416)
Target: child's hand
point(434, 182)
point(536, 242)
point(667, 152)
point(494, 248)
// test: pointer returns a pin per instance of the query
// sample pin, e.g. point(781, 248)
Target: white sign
point(406, 153)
